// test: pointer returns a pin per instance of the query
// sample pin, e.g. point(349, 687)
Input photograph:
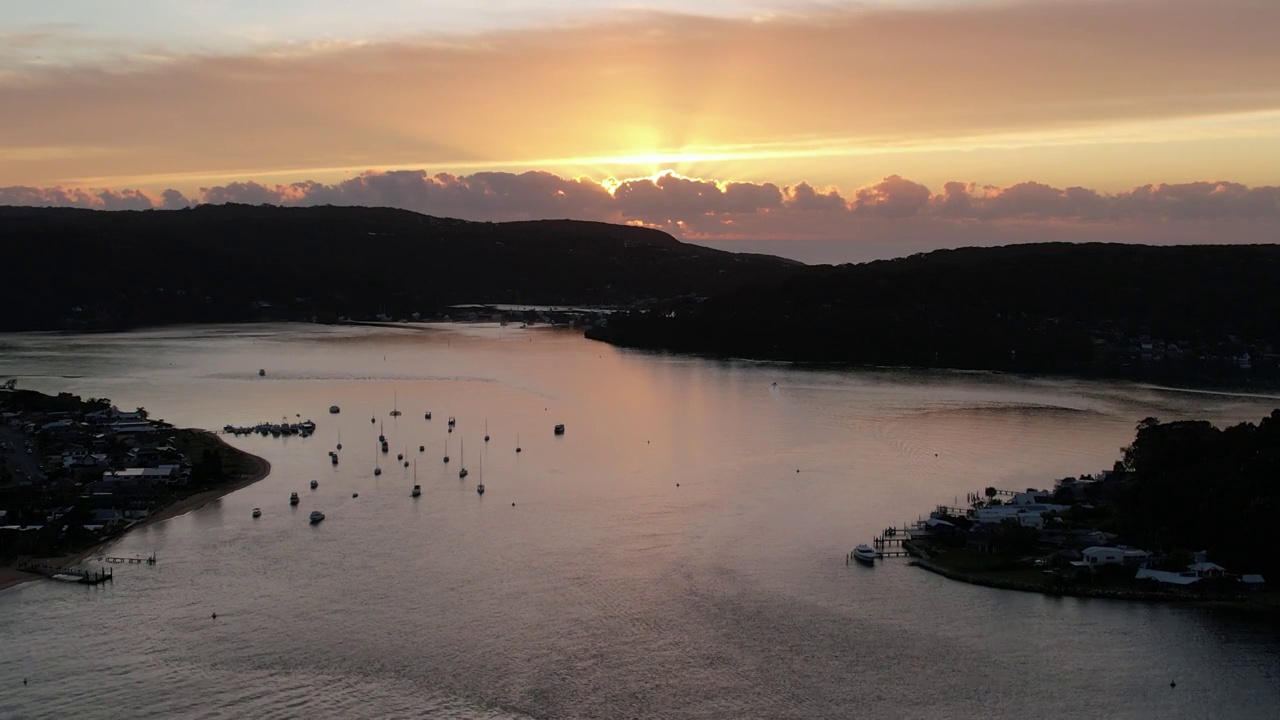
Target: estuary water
point(677, 553)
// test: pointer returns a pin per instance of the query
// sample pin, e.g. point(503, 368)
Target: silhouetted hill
point(68, 268)
point(1190, 312)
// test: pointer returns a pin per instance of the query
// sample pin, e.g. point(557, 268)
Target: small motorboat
point(334, 409)
point(452, 422)
point(293, 499)
point(355, 495)
point(864, 554)
point(377, 471)
point(315, 484)
point(316, 516)
point(257, 512)
point(406, 463)
point(560, 429)
point(333, 459)
point(422, 448)
point(426, 415)
point(262, 373)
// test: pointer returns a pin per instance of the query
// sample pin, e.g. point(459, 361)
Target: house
point(107, 516)
point(1030, 497)
point(1029, 514)
point(132, 428)
point(144, 475)
point(1165, 577)
point(1102, 555)
point(1207, 569)
point(1253, 582)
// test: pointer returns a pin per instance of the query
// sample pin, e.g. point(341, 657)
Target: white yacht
point(864, 553)
point(316, 516)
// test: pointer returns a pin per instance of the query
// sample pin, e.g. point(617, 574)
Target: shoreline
point(1262, 604)
point(260, 468)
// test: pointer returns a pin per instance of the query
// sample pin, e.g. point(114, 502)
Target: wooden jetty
point(84, 577)
point(894, 542)
point(150, 560)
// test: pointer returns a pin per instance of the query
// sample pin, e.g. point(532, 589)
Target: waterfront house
point(1207, 569)
point(107, 516)
point(1164, 577)
point(1253, 582)
point(1102, 555)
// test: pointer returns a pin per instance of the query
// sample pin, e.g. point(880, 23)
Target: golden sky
point(1104, 94)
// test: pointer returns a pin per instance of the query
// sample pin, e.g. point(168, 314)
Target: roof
point(1169, 578)
point(1206, 567)
point(1252, 579)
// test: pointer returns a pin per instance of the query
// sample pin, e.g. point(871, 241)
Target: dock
point(83, 577)
point(136, 559)
point(895, 542)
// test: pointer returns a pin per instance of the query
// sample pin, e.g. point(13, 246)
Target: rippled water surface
point(677, 553)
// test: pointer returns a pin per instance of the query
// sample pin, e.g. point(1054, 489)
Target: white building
point(1101, 555)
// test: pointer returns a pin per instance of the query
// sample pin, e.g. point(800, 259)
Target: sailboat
point(517, 442)
point(406, 452)
point(377, 470)
point(395, 412)
point(446, 448)
point(480, 487)
point(381, 434)
point(417, 489)
point(339, 439)
point(463, 472)
point(486, 429)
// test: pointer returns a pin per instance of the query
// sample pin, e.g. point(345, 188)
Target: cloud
point(854, 78)
point(892, 210)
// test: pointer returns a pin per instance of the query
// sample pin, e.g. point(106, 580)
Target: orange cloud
point(892, 210)
point(715, 92)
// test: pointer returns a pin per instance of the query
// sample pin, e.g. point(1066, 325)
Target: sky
point(894, 124)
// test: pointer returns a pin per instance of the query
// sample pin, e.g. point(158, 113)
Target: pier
point(150, 560)
point(895, 542)
point(84, 577)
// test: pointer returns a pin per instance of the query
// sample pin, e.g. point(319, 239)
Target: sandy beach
point(259, 469)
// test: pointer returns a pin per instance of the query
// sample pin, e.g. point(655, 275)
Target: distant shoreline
point(260, 468)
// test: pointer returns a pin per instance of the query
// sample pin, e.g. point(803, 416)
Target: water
point(606, 591)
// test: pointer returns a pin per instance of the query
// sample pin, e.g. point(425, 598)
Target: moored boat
point(864, 554)
point(316, 516)
point(293, 499)
point(257, 512)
